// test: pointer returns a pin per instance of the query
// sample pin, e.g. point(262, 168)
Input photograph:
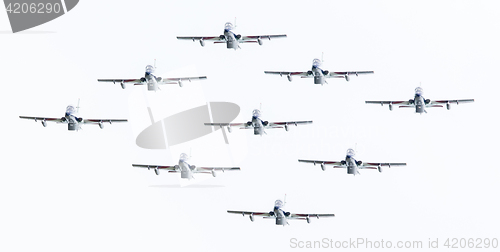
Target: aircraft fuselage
point(72, 122)
point(231, 40)
point(352, 167)
point(419, 104)
point(71, 118)
point(186, 169)
point(319, 77)
point(151, 81)
point(281, 217)
point(258, 126)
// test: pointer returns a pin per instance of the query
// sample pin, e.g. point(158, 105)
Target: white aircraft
point(231, 39)
point(258, 125)
point(351, 164)
point(419, 103)
point(280, 215)
point(151, 80)
point(186, 169)
point(71, 118)
point(319, 74)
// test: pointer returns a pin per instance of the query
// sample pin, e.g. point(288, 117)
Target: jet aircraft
point(185, 168)
point(319, 74)
point(151, 80)
point(351, 164)
point(280, 215)
point(72, 119)
point(258, 125)
point(420, 103)
point(232, 39)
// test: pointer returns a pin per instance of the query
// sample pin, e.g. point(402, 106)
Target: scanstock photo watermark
point(26, 14)
point(365, 243)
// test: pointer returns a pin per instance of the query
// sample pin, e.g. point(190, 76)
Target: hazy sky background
point(77, 191)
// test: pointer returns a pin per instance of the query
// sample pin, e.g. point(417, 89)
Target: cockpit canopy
point(278, 204)
point(228, 26)
point(419, 91)
point(150, 69)
point(316, 63)
point(256, 113)
point(184, 157)
point(350, 152)
point(70, 110)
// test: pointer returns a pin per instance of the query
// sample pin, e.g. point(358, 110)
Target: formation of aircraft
point(258, 125)
point(151, 80)
point(232, 39)
point(185, 168)
point(319, 74)
point(420, 103)
point(280, 215)
point(72, 119)
point(351, 164)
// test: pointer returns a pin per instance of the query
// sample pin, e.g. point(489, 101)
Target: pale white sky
point(77, 191)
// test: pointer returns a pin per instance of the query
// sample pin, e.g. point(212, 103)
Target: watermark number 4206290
point(26, 14)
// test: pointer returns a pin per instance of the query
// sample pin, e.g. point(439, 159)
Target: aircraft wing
point(166, 167)
point(452, 101)
point(218, 168)
point(127, 81)
point(279, 124)
point(321, 162)
point(227, 124)
point(104, 120)
point(262, 214)
point(212, 38)
point(402, 103)
point(255, 38)
point(50, 119)
point(375, 165)
point(341, 74)
point(287, 73)
point(305, 216)
point(176, 80)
